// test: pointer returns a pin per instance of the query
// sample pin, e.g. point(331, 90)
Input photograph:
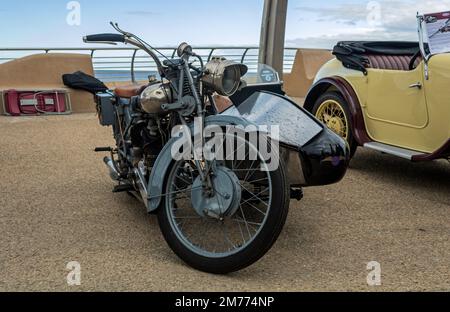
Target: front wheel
point(231, 226)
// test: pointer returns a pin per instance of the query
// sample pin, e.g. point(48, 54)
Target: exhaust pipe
point(112, 169)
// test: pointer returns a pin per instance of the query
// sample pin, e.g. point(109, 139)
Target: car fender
point(165, 160)
point(347, 91)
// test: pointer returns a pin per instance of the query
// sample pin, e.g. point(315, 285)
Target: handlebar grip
point(104, 38)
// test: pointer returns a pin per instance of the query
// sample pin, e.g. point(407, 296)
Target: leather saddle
point(128, 91)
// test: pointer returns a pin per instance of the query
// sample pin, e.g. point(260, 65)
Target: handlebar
point(104, 38)
point(129, 38)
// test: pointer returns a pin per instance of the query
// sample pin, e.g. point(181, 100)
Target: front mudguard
point(158, 176)
point(164, 162)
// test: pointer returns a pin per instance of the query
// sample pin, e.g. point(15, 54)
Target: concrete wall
point(307, 64)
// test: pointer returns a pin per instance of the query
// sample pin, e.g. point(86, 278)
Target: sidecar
point(313, 154)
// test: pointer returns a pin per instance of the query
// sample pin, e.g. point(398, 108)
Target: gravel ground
point(56, 206)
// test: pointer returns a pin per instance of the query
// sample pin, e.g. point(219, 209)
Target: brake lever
point(118, 29)
point(141, 44)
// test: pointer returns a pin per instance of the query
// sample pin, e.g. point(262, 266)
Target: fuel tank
point(154, 96)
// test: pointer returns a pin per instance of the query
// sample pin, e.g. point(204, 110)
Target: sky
point(310, 24)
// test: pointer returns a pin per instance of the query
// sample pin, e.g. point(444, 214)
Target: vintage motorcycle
point(219, 215)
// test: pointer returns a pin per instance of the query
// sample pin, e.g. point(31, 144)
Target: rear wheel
point(231, 227)
point(332, 110)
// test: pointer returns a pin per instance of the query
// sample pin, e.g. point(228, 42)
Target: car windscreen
point(261, 74)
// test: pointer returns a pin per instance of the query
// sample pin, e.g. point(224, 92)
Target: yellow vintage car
point(393, 97)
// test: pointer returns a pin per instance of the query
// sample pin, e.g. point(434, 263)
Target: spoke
point(256, 197)
point(181, 224)
point(250, 223)
point(251, 193)
point(188, 183)
point(177, 192)
point(206, 229)
point(188, 218)
point(251, 166)
point(257, 209)
point(224, 230)
point(240, 170)
point(259, 180)
point(240, 229)
point(245, 158)
point(335, 109)
point(234, 151)
point(245, 221)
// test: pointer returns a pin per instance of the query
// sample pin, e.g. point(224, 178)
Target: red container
point(12, 103)
point(34, 102)
point(54, 102)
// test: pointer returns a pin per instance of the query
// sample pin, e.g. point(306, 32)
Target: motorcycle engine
point(147, 141)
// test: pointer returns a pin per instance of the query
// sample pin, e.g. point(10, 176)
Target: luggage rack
point(33, 102)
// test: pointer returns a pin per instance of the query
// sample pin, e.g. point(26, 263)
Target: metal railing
point(122, 64)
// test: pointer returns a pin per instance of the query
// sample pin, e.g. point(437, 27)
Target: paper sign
point(438, 31)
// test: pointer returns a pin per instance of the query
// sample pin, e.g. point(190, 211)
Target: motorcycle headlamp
point(223, 76)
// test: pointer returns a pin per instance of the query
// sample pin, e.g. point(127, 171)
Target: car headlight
point(223, 76)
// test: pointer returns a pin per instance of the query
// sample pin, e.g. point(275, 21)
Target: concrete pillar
point(273, 32)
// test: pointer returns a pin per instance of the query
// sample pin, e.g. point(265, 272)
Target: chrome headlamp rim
point(216, 72)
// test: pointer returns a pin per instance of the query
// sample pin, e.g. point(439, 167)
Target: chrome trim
point(426, 57)
point(141, 182)
point(112, 168)
point(417, 85)
point(392, 150)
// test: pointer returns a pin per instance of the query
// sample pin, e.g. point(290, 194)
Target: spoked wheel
point(231, 225)
point(332, 110)
point(332, 114)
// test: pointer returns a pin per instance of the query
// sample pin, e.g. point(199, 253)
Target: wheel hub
point(336, 124)
point(220, 202)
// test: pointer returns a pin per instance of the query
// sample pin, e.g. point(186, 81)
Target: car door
point(396, 107)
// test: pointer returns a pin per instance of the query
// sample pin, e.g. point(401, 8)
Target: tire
point(250, 253)
point(337, 97)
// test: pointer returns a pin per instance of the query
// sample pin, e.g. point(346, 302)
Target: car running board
point(392, 150)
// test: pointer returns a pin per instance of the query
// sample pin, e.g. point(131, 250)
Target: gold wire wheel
point(332, 114)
